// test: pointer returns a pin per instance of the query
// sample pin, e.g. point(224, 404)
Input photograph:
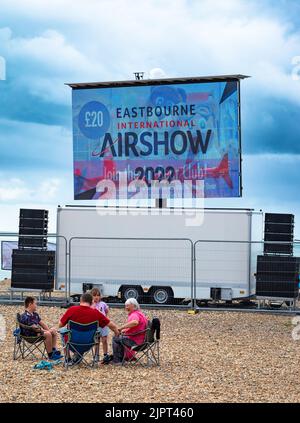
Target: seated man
point(31, 318)
point(84, 313)
point(136, 322)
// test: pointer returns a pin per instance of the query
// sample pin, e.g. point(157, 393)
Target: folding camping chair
point(28, 346)
point(146, 353)
point(80, 339)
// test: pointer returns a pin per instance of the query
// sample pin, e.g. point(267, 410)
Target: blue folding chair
point(31, 345)
point(80, 339)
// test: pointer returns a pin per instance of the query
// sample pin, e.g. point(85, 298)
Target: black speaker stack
point(32, 265)
point(33, 269)
point(277, 273)
point(279, 233)
point(277, 277)
point(33, 222)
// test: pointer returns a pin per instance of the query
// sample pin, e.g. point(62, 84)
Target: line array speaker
point(34, 214)
point(33, 269)
point(33, 222)
point(277, 276)
point(278, 232)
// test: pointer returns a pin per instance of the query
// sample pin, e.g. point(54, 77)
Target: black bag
point(155, 326)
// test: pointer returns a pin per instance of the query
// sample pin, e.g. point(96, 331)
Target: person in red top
point(85, 314)
point(136, 323)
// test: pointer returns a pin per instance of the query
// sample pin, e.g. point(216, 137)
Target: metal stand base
point(41, 293)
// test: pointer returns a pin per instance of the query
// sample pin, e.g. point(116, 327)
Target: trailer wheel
point(162, 295)
point(131, 292)
point(75, 298)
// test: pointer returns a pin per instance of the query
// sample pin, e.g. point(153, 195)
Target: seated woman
point(136, 322)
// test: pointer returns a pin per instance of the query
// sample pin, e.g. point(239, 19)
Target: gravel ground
point(208, 357)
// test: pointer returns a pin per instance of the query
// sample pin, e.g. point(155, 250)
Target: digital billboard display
point(143, 135)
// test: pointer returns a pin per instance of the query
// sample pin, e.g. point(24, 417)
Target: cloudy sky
point(45, 44)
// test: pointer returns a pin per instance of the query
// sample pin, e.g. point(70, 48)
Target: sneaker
point(106, 359)
point(96, 358)
point(56, 355)
point(50, 355)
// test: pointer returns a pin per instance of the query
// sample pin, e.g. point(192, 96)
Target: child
point(104, 309)
point(31, 318)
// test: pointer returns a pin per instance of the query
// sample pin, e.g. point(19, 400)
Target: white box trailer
point(141, 251)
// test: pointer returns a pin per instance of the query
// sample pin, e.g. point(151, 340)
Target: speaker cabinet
point(32, 242)
point(279, 228)
point(277, 276)
point(279, 232)
point(33, 214)
point(33, 269)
